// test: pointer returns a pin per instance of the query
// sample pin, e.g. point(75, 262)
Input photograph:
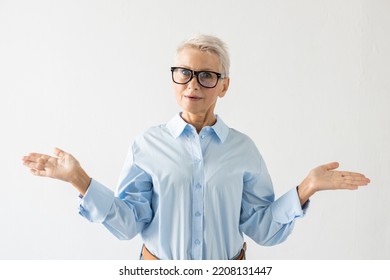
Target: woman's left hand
point(325, 177)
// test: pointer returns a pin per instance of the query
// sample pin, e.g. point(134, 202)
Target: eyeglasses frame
point(196, 73)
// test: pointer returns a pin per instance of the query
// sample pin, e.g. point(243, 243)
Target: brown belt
point(147, 255)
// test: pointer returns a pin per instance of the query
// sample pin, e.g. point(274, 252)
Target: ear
point(225, 86)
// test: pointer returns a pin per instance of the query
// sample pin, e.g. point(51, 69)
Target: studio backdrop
point(309, 84)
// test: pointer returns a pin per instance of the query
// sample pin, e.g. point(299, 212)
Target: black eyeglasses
point(207, 79)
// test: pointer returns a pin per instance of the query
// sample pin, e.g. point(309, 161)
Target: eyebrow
point(204, 69)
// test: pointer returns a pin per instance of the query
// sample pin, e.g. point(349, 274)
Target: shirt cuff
point(288, 207)
point(96, 202)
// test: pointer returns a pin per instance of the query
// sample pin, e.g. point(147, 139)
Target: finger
point(41, 163)
point(38, 163)
point(353, 176)
point(356, 181)
point(30, 164)
point(331, 165)
point(38, 172)
point(349, 173)
point(35, 157)
point(58, 152)
point(351, 181)
point(349, 186)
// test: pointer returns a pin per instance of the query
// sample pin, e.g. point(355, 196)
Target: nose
point(193, 83)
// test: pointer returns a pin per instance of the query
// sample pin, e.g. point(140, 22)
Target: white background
point(309, 84)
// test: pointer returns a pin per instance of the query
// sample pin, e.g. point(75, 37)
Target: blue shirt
point(193, 196)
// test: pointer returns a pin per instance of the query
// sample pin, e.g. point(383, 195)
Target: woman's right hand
point(63, 167)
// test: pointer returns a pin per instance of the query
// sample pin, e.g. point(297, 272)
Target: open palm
point(61, 167)
point(325, 177)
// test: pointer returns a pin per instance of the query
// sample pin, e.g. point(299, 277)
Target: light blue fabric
point(193, 196)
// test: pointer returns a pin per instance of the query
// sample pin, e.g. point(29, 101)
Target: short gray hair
point(212, 44)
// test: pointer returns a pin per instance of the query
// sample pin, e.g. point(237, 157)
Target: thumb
point(58, 152)
point(331, 166)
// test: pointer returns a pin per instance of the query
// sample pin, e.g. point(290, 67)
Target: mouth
point(192, 97)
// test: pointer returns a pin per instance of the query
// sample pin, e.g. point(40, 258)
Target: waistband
point(147, 255)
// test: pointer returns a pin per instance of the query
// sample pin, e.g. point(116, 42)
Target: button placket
point(197, 197)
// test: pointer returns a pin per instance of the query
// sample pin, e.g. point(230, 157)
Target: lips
point(192, 97)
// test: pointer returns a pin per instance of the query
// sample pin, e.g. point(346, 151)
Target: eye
point(185, 72)
point(206, 75)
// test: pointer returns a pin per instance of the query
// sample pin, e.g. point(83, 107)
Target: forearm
point(122, 218)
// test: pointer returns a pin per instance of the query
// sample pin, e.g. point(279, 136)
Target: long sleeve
point(125, 214)
point(267, 221)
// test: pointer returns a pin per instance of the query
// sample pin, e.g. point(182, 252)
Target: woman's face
point(192, 97)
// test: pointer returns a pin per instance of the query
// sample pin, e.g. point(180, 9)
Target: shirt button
point(197, 214)
point(198, 186)
point(197, 242)
point(202, 136)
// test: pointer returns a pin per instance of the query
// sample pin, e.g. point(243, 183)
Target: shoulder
point(240, 137)
point(243, 148)
point(152, 133)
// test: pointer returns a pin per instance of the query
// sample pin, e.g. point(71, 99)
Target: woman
point(193, 186)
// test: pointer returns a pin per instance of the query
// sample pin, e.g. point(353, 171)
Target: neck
point(199, 120)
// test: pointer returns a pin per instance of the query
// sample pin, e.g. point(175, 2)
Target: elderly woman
point(193, 187)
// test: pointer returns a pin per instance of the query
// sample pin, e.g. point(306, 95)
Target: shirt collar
point(220, 129)
point(177, 126)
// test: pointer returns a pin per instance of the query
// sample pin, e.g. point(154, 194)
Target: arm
point(325, 177)
point(269, 222)
point(266, 220)
point(125, 215)
point(63, 167)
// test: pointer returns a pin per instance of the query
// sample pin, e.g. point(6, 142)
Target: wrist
point(305, 191)
point(81, 181)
